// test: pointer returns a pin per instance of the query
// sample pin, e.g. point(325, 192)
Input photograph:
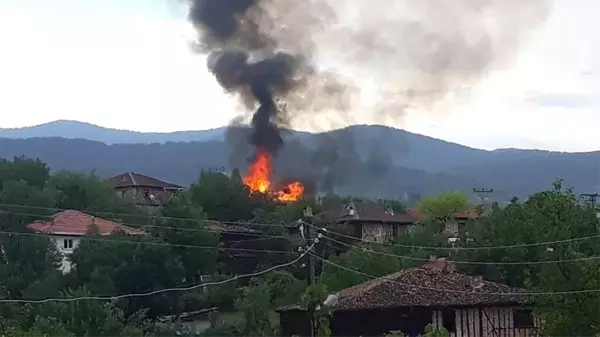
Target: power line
point(144, 216)
point(549, 293)
point(482, 192)
point(591, 198)
point(589, 258)
point(160, 291)
point(205, 230)
point(542, 243)
point(164, 244)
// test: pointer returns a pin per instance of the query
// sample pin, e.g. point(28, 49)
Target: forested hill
point(417, 164)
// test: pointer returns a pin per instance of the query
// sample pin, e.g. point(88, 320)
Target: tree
point(191, 230)
point(444, 206)
point(547, 216)
point(222, 197)
point(110, 268)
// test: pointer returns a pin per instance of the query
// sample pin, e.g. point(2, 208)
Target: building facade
point(367, 221)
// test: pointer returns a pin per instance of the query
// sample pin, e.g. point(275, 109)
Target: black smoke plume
point(284, 58)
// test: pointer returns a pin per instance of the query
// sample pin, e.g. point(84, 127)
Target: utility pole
point(309, 241)
point(482, 192)
point(591, 198)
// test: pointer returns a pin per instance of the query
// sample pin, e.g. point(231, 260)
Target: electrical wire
point(369, 251)
point(160, 291)
point(164, 244)
point(548, 293)
point(203, 230)
point(541, 243)
point(145, 216)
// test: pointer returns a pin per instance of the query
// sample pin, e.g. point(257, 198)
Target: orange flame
point(258, 179)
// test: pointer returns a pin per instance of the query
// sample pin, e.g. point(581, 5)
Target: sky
point(129, 65)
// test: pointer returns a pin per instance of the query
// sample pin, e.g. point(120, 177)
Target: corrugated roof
point(75, 223)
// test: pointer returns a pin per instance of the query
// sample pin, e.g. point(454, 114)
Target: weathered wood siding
point(487, 322)
point(377, 232)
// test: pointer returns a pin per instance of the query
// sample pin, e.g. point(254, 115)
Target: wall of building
point(486, 322)
point(141, 195)
point(377, 232)
point(65, 245)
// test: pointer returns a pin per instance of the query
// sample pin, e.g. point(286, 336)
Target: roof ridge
point(133, 182)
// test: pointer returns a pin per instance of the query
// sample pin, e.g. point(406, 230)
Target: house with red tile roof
point(66, 229)
point(143, 189)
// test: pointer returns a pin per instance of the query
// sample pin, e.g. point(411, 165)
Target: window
point(146, 194)
point(523, 318)
point(449, 320)
point(68, 243)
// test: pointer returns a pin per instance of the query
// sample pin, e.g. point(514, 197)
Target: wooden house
point(367, 221)
point(411, 299)
point(145, 191)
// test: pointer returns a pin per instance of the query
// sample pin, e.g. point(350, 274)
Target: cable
point(238, 223)
point(160, 291)
point(585, 291)
point(165, 244)
point(205, 230)
point(542, 243)
point(463, 262)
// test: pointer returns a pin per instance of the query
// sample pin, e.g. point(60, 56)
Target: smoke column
point(310, 62)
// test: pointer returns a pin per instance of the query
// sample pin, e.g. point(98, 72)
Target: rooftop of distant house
point(76, 223)
point(132, 179)
point(461, 215)
point(435, 284)
point(365, 212)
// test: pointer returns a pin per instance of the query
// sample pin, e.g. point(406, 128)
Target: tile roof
point(75, 223)
point(405, 289)
point(365, 211)
point(132, 179)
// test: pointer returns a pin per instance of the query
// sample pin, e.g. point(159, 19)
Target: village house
point(66, 229)
point(367, 221)
point(453, 226)
point(409, 300)
point(144, 190)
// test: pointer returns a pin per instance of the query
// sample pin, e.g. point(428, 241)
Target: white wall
point(71, 243)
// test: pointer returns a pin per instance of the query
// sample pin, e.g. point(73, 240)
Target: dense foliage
point(182, 249)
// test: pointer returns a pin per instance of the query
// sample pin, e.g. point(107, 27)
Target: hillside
point(370, 160)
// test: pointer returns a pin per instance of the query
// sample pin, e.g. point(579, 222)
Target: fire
point(258, 179)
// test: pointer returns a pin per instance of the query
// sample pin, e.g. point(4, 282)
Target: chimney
point(351, 209)
point(389, 210)
point(477, 283)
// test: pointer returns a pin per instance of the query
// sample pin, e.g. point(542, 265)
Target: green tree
point(109, 268)
point(191, 230)
point(222, 197)
point(547, 216)
point(444, 206)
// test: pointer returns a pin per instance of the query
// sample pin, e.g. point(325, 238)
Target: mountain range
point(382, 161)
